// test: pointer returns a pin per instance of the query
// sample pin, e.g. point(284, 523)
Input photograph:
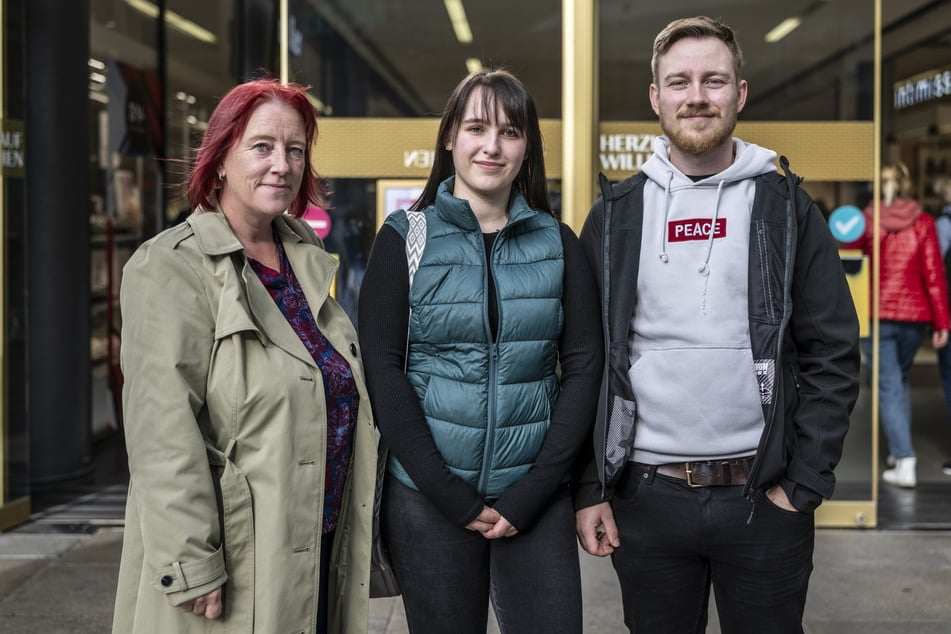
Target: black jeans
point(677, 540)
point(448, 574)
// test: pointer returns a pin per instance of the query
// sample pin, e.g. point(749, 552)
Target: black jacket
point(801, 316)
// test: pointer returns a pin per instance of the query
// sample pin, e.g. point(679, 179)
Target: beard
point(697, 140)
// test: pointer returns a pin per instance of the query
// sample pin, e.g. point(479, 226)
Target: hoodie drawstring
point(705, 267)
point(663, 233)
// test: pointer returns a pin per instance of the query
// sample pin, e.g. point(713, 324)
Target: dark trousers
point(676, 541)
point(323, 597)
point(448, 574)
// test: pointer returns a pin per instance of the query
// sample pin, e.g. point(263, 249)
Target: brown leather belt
point(709, 473)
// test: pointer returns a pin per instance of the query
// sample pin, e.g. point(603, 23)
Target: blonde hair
point(697, 27)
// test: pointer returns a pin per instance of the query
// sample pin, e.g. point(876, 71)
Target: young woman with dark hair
point(483, 374)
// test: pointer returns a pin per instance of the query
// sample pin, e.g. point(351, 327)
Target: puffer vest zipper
point(487, 404)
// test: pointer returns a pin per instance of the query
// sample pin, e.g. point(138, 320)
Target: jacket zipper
point(605, 321)
point(491, 415)
point(792, 226)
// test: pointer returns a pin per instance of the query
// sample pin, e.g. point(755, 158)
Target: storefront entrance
point(380, 73)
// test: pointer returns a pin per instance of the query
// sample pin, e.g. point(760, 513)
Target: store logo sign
point(928, 86)
point(624, 152)
point(12, 148)
point(422, 159)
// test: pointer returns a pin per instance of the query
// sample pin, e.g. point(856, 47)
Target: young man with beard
point(731, 365)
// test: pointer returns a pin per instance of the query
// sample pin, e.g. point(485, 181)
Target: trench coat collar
point(215, 237)
point(312, 265)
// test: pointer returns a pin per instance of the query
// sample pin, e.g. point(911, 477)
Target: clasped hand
point(491, 524)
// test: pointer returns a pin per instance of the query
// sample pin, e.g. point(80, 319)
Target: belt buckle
point(688, 471)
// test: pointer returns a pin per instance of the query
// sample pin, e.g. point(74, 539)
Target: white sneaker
point(903, 474)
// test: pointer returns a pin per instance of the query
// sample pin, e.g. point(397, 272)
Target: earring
point(221, 176)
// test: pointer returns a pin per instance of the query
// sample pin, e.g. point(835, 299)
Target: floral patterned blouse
point(340, 390)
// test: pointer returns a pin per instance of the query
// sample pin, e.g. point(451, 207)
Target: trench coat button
point(166, 581)
point(353, 349)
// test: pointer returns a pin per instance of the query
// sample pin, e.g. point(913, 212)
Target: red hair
point(227, 124)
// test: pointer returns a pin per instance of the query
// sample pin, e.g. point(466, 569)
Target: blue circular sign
point(847, 223)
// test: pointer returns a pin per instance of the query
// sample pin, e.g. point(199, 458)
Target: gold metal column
point(284, 44)
point(579, 109)
point(864, 513)
point(876, 247)
point(3, 282)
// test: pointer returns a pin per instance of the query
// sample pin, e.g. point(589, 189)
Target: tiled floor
point(92, 503)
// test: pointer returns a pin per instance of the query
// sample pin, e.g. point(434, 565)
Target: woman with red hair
point(251, 446)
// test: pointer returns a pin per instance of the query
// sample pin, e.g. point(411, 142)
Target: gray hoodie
point(692, 371)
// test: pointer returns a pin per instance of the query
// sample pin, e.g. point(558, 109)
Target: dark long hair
point(503, 92)
point(227, 124)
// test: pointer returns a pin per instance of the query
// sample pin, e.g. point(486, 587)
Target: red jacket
point(913, 284)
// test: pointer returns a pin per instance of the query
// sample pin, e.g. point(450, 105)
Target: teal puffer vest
point(487, 404)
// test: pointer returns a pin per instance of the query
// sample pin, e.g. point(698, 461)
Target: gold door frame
point(3, 288)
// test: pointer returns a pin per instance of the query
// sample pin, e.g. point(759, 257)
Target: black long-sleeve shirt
point(383, 322)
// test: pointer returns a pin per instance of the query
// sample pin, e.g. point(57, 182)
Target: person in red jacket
point(913, 295)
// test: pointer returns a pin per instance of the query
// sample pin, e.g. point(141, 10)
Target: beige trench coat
point(225, 428)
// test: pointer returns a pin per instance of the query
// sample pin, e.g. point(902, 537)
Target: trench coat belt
point(707, 473)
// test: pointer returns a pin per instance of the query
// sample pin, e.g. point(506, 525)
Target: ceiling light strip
point(457, 16)
point(783, 29)
point(790, 24)
point(174, 20)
